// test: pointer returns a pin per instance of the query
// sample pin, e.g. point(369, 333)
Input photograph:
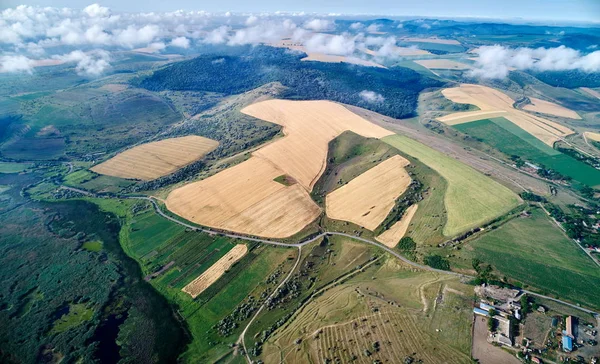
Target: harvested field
point(367, 199)
point(246, 198)
point(114, 87)
point(309, 126)
point(210, 276)
point(152, 160)
point(443, 64)
point(408, 51)
point(591, 92)
point(432, 40)
point(392, 236)
point(550, 108)
point(484, 352)
point(329, 58)
point(593, 136)
point(493, 103)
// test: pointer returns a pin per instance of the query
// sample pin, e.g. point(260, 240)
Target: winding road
point(315, 238)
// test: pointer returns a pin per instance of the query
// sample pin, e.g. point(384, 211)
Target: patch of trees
point(407, 244)
point(569, 79)
point(530, 196)
point(551, 174)
point(411, 196)
point(580, 156)
point(437, 262)
point(339, 82)
point(241, 313)
point(182, 174)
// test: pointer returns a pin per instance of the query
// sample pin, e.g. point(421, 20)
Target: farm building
point(567, 343)
point(569, 326)
point(479, 311)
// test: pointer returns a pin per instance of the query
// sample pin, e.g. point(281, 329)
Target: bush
point(437, 262)
point(407, 243)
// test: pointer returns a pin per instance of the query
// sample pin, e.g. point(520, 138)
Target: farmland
point(367, 199)
point(511, 140)
point(471, 198)
point(550, 108)
point(249, 200)
point(392, 236)
point(443, 64)
point(395, 314)
point(493, 103)
point(171, 257)
point(531, 250)
point(152, 160)
point(215, 271)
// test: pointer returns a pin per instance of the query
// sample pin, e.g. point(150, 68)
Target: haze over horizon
point(550, 10)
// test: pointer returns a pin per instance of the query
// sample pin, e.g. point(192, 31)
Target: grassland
point(77, 314)
point(471, 199)
point(533, 251)
point(171, 257)
point(511, 140)
point(92, 246)
point(390, 311)
point(156, 159)
point(367, 199)
point(9, 167)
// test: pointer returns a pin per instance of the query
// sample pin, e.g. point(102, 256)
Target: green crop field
point(471, 198)
point(534, 251)
point(9, 167)
point(512, 140)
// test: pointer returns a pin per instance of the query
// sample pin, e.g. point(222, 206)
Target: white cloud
point(89, 64)
point(251, 20)
point(96, 10)
point(337, 44)
point(356, 26)
point(181, 42)
point(265, 32)
point(157, 46)
point(371, 97)
point(496, 61)
point(16, 63)
point(373, 28)
point(218, 35)
point(132, 36)
point(319, 25)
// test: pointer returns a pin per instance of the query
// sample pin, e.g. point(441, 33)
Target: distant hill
point(339, 82)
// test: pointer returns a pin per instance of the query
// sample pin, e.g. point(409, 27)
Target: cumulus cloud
point(88, 64)
point(132, 36)
point(96, 10)
point(16, 63)
point(371, 97)
point(218, 35)
point(181, 42)
point(356, 26)
point(496, 61)
point(264, 32)
point(251, 20)
point(320, 25)
point(373, 28)
point(342, 45)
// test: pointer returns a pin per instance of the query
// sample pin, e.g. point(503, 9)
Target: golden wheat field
point(212, 274)
point(591, 92)
point(550, 108)
point(246, 199)
point(494, 103)
point(593, 136)
point(443, 64)
point(367, 199)
point(392, 236)
point(156, 159)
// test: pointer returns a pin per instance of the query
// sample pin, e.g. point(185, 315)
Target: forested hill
point(340, 82)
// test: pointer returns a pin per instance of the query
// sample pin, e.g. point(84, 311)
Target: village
point(511, 326)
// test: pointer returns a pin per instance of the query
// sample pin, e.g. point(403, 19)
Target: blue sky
point(578, 10)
